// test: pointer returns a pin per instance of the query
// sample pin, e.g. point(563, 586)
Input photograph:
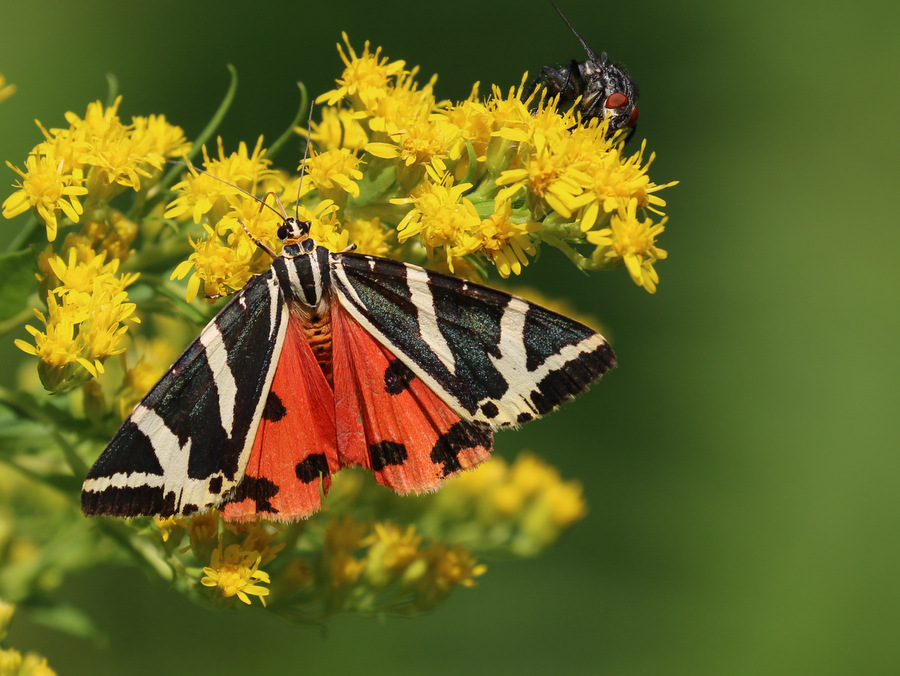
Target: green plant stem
point(288, 133)
point(208, 131)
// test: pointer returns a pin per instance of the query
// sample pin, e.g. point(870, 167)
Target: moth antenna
point(258, 242)
point(303, 162)
point(262, 203)
point(283, 214)
point(590, 51)
point(249, 194)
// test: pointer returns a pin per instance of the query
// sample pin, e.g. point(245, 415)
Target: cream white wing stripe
point(420, 295)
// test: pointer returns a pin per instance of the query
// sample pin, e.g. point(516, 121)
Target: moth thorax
point(316, 325)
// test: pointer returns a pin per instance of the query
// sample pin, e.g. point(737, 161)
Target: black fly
point(605, 88)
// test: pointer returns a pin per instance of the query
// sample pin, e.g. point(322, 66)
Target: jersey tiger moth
point(332, 360)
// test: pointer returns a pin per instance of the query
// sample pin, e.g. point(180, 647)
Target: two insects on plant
point(333, 360)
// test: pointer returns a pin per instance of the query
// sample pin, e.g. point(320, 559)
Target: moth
point(331, 360)
point(606, 89)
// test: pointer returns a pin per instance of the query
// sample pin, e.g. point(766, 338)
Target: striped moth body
point(336, 360)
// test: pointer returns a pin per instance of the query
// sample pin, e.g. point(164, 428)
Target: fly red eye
point(617, 100)
point(634, 116)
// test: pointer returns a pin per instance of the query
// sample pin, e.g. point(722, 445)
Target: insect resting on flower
point(332, 360)
point(605, 88)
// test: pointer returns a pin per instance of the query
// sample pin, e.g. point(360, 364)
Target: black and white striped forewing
point(493, 357)
point(185, 446)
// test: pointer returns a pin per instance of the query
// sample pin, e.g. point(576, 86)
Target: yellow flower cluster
point(475, 182)
point(235, 572)
point(490, 178)
point(338, 564)
point(523, 507)
point(87, 315)
point(95, 159)
point(227, 256)
point(385, 568)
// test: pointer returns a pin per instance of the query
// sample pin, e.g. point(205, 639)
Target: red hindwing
point(379, 415)
point(389, 421)
point(295, 450)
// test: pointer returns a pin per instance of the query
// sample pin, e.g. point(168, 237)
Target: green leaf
point(66, 618)
point(16, 282)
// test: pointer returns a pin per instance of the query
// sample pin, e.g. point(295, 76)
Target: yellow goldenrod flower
point(632, 242)
point(391, 550)
point(10, 662)
point(35, 665)
point(505, 242)
point(202, 527)
point(339, 128)
point(58, 345)
point(344, 569)
point(422, 142)
point(452, 566)
point(442, 217)
point(46, 188)
point(235, 572)
point(507, 500)
point(370, 236)
point(365, 77)
point(221, 268)
point(615, 182)
point(114, 238)
point(166, 526)
point(258, 537)
point(566, 503)
point(531, 475)
point(334, 171)
point(213, 193)
point(86, 319)
point(89, 274)
point(157, 137)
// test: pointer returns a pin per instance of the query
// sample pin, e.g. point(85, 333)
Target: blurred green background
point(741, 464)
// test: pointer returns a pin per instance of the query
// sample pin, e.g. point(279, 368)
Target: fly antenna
point(590, 51)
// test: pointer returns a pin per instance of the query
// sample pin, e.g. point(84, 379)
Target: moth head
point(293, 229)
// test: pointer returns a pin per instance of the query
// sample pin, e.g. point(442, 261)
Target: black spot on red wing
point(462, 435)
point(490, 409)
point(386, 453)
point(274, 410)
point(313, 467)
point(215, 484)
point(397, 377)
point(524, 418)
point(258, 489)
